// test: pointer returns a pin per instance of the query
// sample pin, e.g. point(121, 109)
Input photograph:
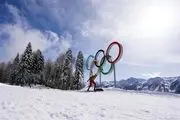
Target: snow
point(20, 103)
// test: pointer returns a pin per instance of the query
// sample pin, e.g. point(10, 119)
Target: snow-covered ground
point(18, 103)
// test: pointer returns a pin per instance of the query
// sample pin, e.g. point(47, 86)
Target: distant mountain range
point(166, 84)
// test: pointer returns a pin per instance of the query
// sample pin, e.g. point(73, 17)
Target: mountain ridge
point(160, 84)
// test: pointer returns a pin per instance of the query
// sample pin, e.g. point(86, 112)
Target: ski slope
point(18, 103)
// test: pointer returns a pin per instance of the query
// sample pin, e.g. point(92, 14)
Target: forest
point(31, 68)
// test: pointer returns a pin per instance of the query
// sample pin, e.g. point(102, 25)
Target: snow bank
point(17, 103)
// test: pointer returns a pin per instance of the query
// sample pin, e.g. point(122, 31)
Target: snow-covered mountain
point(131, 84)
point(175, 85)
point(154, 84)
point(165, 84)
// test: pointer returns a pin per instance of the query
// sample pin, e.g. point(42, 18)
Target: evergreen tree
point(25, 73)
point(14, 70)
point(67, 71)
point(78, 78)
point(48, 68)
point(37, 67)
point(59, 70)
point(26, 60)
point(57, 74)
point(2, 65)
point(38, 62)
point(6, 73)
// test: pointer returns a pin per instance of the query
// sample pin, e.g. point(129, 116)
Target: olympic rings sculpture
point(106, 58)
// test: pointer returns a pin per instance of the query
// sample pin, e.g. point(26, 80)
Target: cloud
point(60, 15)
point(20, 33)
point(90, 25)
point(148, 30)
point(151, 75)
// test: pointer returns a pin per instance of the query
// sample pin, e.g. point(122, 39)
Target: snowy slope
point(17, 103)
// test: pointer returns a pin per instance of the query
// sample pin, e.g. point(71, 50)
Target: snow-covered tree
point(57, 74)
point(67, 71)
point(48, 68)
point(6, 72)
point(57, 71)
point(78, 77)
point(37, 67)
point(2, 65)
point(38, 62)
point(14, 70)
point(25, 73)
point(26, 60)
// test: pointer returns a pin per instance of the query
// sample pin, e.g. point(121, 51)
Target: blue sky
point(148, 29)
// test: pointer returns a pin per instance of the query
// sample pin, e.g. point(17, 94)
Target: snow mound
point(18, 103)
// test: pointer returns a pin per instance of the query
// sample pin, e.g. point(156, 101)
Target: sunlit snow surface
point(18, 103)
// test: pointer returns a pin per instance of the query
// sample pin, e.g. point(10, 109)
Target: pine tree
point(48, 68)
point(58, 70)
point(2, 66)
point(6, 72)
point(78, 78)
point(25, 73)
point(67, 71)
point(37, 67)
point(14, 70)
point(38, 62)
point(57, 74)
point(26, 60)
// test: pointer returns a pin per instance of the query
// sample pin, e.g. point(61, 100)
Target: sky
point(149, 31)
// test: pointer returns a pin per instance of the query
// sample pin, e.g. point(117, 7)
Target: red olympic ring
point(119, 54)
